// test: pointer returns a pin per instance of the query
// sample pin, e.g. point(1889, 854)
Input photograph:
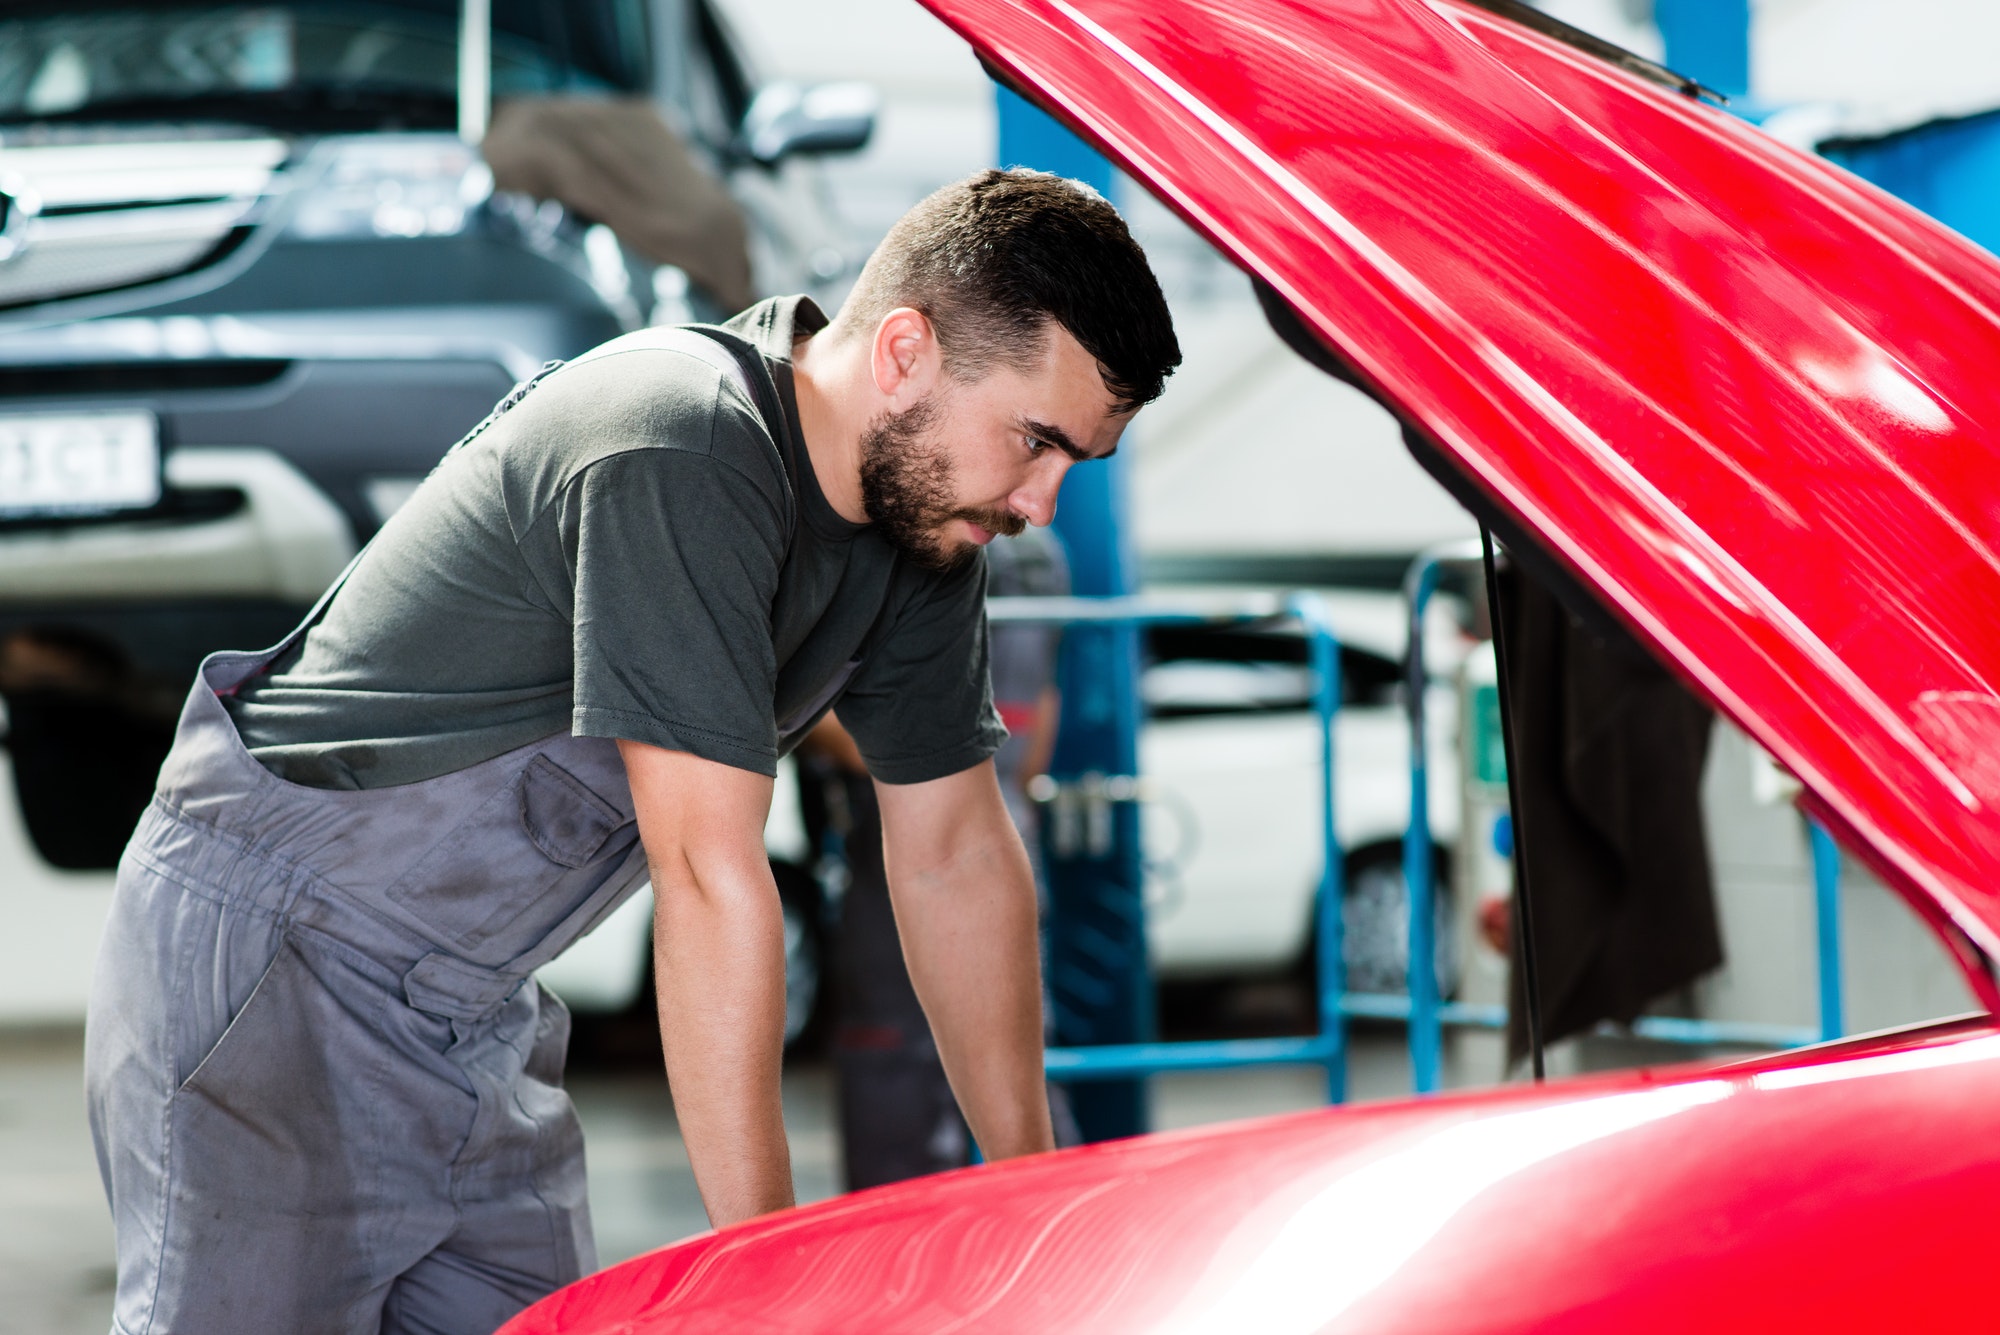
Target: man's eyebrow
point(1059, 438)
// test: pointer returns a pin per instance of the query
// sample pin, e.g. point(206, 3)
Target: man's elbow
point(711, 877)
point(946, 825)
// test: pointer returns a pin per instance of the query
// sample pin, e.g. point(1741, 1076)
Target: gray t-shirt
point(625, 549)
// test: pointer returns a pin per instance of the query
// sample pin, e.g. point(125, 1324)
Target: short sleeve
point(675, 557)
point(920, 707)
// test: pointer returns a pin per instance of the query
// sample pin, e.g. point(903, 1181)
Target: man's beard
point(906, 489)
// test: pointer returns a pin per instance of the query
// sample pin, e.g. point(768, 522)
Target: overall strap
point(725, 353)
point(268, 658)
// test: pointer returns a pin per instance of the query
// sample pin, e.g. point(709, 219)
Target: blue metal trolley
point(1425, 1012)
point(1326, 1048)
point(1428, 1014)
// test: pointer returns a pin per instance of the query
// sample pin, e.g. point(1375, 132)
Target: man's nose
point(1035, 499)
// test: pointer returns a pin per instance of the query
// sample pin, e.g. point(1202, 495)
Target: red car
point(1753, 405)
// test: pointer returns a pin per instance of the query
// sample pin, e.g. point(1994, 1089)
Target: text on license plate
point(78, 463)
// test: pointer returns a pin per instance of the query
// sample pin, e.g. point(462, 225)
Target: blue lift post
point(1826, 903)
point(1099, 978)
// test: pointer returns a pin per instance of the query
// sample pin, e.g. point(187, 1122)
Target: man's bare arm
point(965, 907)
point(719, 970)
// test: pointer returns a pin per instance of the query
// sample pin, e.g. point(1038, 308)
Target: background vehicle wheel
point(1375, 922)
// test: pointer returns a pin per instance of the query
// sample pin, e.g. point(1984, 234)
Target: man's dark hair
point(991, 259)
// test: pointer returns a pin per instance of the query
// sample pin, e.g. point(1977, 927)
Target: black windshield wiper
point(303, 108)
point(1650, 70)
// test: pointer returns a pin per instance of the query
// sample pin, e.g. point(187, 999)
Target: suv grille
point(93, 379)
point(92, 217)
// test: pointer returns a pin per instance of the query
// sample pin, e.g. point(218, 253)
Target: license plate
point(78, 464)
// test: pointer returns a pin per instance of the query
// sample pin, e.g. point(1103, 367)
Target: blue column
point(1709, 41)
point(1826, 904)
point(1098, 975)
point(1030, 137)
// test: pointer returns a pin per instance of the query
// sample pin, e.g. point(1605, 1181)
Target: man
point(325, 1096)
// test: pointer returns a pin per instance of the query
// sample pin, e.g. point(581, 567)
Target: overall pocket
point(294, 1147)
point(525, 858)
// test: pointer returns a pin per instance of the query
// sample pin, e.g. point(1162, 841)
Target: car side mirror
point(790, 118)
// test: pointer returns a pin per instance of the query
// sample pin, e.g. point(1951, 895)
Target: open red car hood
point(1751, 400)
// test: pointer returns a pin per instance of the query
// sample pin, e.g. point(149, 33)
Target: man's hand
point(719, 972)
point(964, 897)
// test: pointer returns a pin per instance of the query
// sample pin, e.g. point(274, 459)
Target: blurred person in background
point(898, 1118)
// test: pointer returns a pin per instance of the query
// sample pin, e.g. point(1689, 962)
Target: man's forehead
point(1072, 407)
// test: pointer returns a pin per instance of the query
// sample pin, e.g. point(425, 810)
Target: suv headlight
point(402, 185)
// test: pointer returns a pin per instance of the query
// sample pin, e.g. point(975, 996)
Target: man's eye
point(1038, 446)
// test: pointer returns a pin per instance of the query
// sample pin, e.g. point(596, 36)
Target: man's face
point(972, 461)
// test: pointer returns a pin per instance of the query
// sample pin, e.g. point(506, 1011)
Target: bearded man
point(325, 1090)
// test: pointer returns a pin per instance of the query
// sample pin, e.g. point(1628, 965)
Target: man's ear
point(905, 360)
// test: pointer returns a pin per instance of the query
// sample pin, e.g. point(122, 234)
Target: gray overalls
point(325, 1092)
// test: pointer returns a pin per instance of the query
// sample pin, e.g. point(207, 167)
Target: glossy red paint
point(1842, 1190)
point(1747, 398)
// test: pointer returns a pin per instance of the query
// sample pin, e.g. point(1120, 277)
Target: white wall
point(1890, 64)
point(1885, 64)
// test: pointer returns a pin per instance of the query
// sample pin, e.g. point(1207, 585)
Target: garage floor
point(55, 1235)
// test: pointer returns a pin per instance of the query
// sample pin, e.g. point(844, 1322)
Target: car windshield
point(300, 66)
